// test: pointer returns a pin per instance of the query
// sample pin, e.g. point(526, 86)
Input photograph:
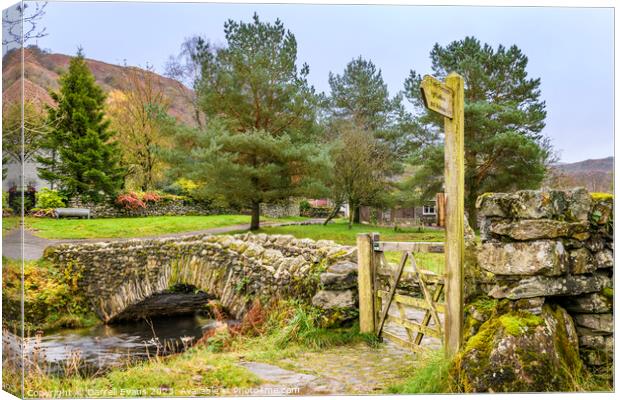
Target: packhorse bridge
point(140, 278)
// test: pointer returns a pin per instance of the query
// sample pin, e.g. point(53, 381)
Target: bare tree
point(21, 26)
point(185, 69)
point(18, 148)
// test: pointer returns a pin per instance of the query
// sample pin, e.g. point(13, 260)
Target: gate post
point(365, 283)
point(455, 211)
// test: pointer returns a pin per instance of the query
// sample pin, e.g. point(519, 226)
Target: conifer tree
point(80, 158)
point(259, 142)
point(505, 149)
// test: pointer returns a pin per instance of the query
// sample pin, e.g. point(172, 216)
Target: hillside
point(594, 175)
point(41, 72)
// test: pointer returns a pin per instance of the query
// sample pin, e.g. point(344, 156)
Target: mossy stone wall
point(554, 247)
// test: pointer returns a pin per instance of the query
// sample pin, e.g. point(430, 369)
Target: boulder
point(536, 286)
point(571, 205)
point(539, 229)
point(600, 342)
point(542, 257)
point(343, 268)
point(340, 276)
point(334, 299)
point(521, 352)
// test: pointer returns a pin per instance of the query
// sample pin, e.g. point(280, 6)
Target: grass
point(432, 376)
point(197, 372)
point(9, 223)
point(134, 227)
point(340, 233)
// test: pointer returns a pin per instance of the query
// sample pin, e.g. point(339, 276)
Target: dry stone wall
point(135, 278)
point(108, 209)
point(280, 210)
point(554, 247)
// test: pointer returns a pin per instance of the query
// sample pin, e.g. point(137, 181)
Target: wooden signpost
point(447, 99)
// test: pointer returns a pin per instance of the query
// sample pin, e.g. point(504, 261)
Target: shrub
point(304, 205)
point(48, 198)
point(130, 201)
point(43, 212)
point(183, 187)
point(150, 197)
point(187, 186)
point(5, 200)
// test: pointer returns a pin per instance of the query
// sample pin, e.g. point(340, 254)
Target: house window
point(429, 209)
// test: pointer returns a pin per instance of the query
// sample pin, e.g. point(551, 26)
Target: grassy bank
point(50, 228)
point(51, 297)
point(197, 372)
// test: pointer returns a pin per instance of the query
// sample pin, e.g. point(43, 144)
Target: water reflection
point(104, 346)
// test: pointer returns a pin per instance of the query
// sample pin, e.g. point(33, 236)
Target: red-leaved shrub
point(130, 201)
point(150, 197)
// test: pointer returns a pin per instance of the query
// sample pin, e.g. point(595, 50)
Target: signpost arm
point(455, 214)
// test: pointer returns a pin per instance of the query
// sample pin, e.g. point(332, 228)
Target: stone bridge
point(138, 278)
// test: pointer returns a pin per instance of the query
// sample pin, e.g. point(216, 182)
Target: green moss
point(570, 353)
point(608, 293)
point(526, 367)
point(599, 196)
point(484, 304)
point(517, 323)
point(484, 196)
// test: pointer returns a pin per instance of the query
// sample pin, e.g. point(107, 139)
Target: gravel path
point(34, 245)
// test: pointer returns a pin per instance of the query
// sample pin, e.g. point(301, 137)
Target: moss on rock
point(600, 196)
point(517, 351)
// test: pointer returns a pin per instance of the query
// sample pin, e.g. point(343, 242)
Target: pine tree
point(258, 144)
point(80, 158)
point(504, 116)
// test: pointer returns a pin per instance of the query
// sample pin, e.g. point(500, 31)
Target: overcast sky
point(570, 49)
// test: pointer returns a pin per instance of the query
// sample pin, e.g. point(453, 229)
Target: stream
point(104, 346)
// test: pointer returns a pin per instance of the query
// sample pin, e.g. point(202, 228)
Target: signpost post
point(448, 100)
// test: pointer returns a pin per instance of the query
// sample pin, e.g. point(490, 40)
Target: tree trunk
point(333, 213)
point(255, 224)
point(356, 215)
point(350, 219)
point(470, 206)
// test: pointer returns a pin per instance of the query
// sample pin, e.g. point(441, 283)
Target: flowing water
point(104, 346)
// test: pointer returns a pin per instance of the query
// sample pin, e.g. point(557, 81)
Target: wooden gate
point(419, 307)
